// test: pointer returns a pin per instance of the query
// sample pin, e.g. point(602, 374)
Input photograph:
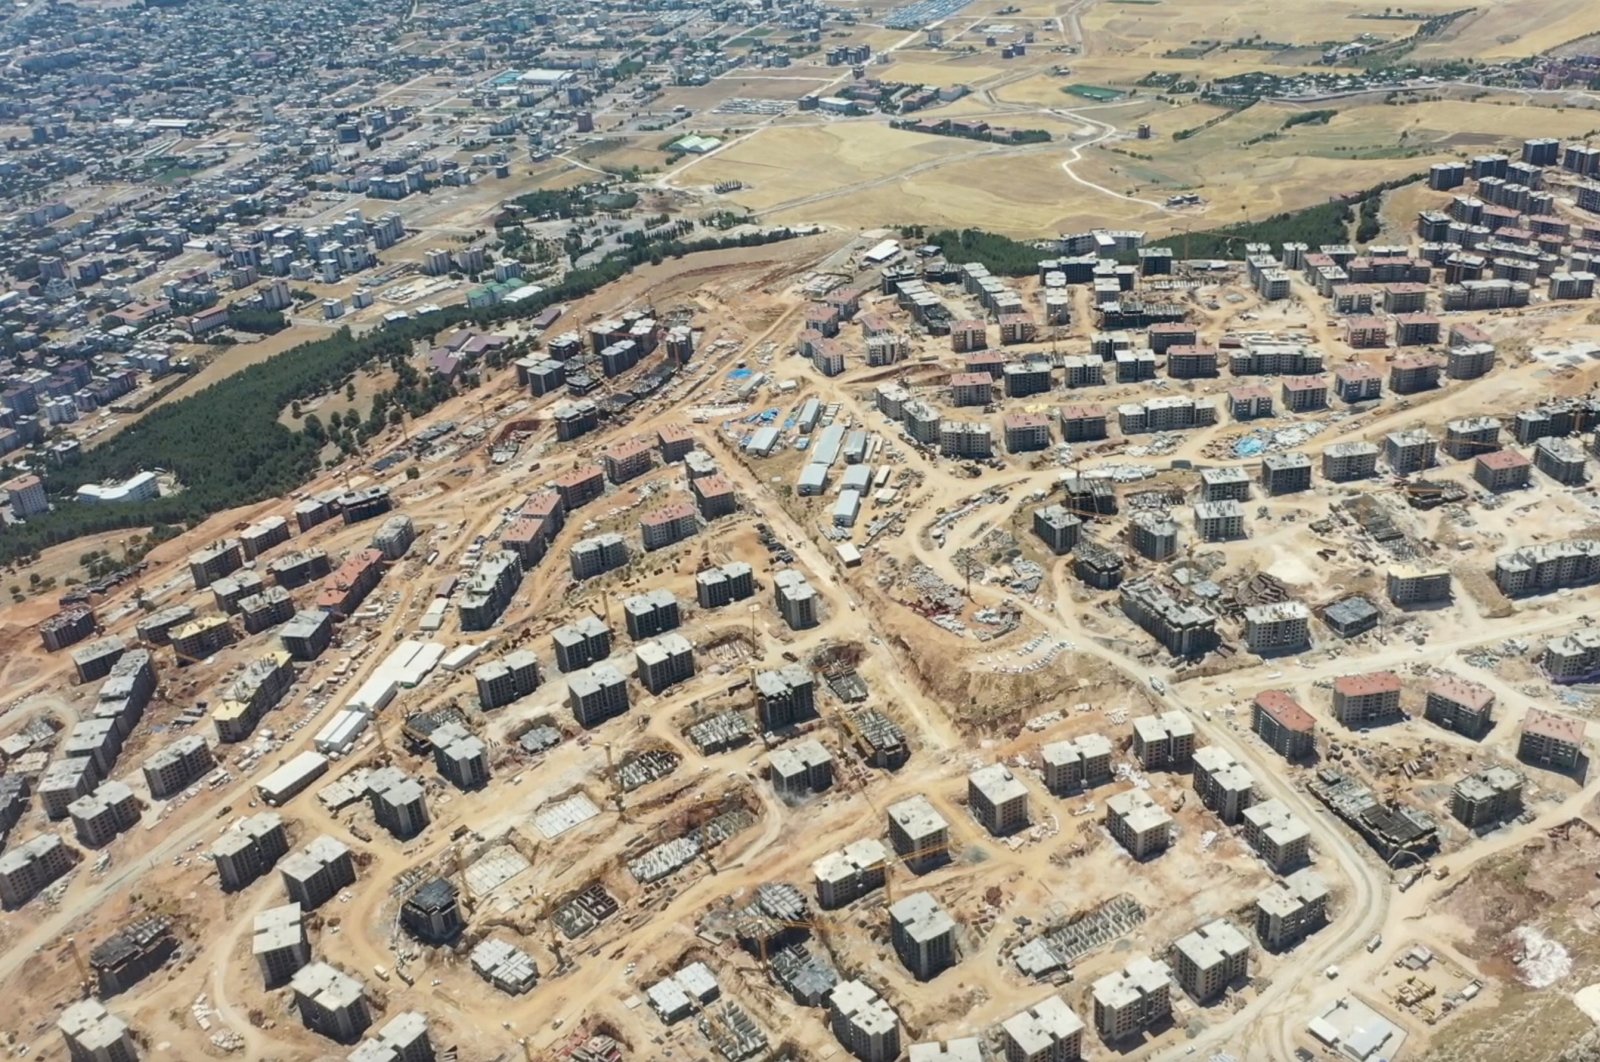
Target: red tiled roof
point(1362, 685)
point(1285, 710)
point(1502, 459)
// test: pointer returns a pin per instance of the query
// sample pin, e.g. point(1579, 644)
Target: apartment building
point(1058, 528)
point(1409, 451)
point(1083, 370)
point(923, 935)
point(27, 497)
point(488, 590)
point(596, 694)
point(1219, 521)
point(1284, 626)
point(918, 834)
point(1410, 585)
point(1547, 567)
point(1164, 742)
point(315, 875)
point(1562, 460)
point(216, 560)
point(347, 586)
point(399, 803)
point(95, 660)
point(1223, 484)
point(177, 766)
point(1357, 382)
point(1305, 394)
point(591, 557)
point(1184, 630)
point(1347, 461)
point(785, 697)
point(796, 599)
point(98, 817)
point(968, 335)
point(1048, 1031)
point(802, 768)
point(972, 440)
point(1366, 700)
point(998, 799)
point(674, 441)
point(1250, 402)
point(94, 1034)
point(32, 866)
point(1189, 361)
point(1279, 837)
point(721, 586)
point(1210, 959)
point(1026, 432)
point(1172, 413)
point(971, 389)
point(863, 1022)
point(1469, 361)
point(1153, 535)
point(1459, 704)
point(845, 876)
point(714, 496)
point(331, 1003)
point(249, 850)
point(1286, 473)
point(1414, 373)
point(1222, 783)
point(1138, 823)
point(1291, 910)
point(1467, 437)
point(669, 524)
point(580, 486)
point(1573, 657)
point(1550, 740)
point(1032, 376)
point(1416, 330)
point(1502, 470)
point(664, 662)
point(1135, 998)
point(512, 677)
point(1487, 798)
point(1272, 357)
point(1083, 423)
point(628, 459)
point(1280, 721)
point(1082, 763)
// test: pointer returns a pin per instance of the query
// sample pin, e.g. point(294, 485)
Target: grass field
point(1094, 93)
point(1153, 30)
point(930, 68)
point(859, 174)
point(1511, 29)
point(780, 163)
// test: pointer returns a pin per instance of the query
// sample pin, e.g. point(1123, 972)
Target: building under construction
point(1390, 828)
point(878, 739)
point(132, 954)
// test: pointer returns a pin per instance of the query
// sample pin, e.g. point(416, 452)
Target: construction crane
point(526, 926)
point(85, 979)
point(910, 857)
point(821, 928)
point(616, 789)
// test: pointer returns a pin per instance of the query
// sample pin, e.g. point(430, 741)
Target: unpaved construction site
point(867, 667)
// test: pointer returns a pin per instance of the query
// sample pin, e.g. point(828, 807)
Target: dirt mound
point(1522, 886)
